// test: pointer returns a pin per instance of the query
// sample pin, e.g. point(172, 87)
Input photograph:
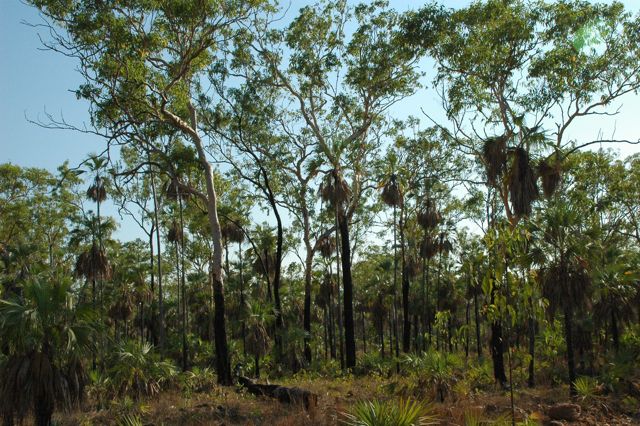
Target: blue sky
point(34, 82)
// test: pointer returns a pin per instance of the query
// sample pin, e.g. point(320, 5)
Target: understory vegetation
point(271, 237)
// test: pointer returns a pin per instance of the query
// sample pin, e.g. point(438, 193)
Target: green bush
point(136, 370)
point(390, 413)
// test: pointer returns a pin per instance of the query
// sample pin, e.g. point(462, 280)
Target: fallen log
point(283, 394)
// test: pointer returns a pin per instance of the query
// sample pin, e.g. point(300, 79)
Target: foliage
point(390, 413)
point(136, 370)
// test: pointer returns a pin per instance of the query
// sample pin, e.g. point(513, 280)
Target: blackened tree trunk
point(568, 335)
point(477, 317)
point(406, 319)
point(349, 326)
point(306, 321)
point(615, 333)
point(497, 353)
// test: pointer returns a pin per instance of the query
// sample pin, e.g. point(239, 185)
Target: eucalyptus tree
point(142, 64)
point(340, 114)
point(514, 77)
point(37, 210)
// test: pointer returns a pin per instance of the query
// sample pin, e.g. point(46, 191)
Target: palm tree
point(46, 336)
point(260, 315)
point(565, 280)
point(392, 196)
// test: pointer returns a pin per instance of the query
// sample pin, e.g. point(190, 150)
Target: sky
point(35, 82)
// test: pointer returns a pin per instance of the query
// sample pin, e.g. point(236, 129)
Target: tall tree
point(142, 63)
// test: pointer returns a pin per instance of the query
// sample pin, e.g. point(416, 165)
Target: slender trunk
point(349, 325)
point(394, 322)
point(338, 266)
point(532, 352)
point(223, 368)
point(156, 207)
point(406, 319)
point(615, 334)
point(568, 334)
point(185, 348)
point(477, 320)
point(424, 302)
point(242, 307)
point(307, 300)
point(154, 319)
point(466, 333)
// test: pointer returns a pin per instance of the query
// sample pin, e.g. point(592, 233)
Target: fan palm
point(566, 282)
point(46, 336)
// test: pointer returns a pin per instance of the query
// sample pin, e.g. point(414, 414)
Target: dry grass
point(232, 406)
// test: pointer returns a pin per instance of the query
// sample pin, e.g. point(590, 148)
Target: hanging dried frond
point(523, 189)
point(327, 290)
point(550, 174)
point(428, 248)
point(175, 234)
point(379, 313)
point(232, 232)
point(97, 192)
point(392, 193)
point(412, 267)
point(568, 284)
point(172, 189)
point(334, 189)
point(93, 264)
point(445, 246)
point(257, 342)
point(327, 246)
point(429, 217)
point(494, 154)
point(264, 263)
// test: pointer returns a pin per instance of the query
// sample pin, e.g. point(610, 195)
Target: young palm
point(46, 335)
point(565, 280)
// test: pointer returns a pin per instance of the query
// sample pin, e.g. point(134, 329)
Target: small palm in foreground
point(137, 370)
point(390, 413)
point(45, 336)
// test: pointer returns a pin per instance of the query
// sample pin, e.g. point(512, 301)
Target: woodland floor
point(232, 406)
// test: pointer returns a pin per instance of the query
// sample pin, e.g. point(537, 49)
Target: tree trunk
point(223, 369)
point(568, 334)
point(156, 207)
point(477, 315)
point(349, 331)
point(406, 319)
point(497, 354)
point(307, 304)
point(615, 334)
point(532, 352)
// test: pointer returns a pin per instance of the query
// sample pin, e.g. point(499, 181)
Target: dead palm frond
point(175, 234)
point(334, 189)
point(265, 263)
point(428, 247)
point(97, 192)
point(327, 246)
point(523, 189)
point(412, 267)
point(93, 264)
point(392, 192)
point(568, 284)
point(429, 217)
point(494, 154)
point(327, 291)
point(550, 175)
point(232, 232)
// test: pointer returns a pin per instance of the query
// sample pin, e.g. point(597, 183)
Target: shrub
point(390, 413)
point(136, 370)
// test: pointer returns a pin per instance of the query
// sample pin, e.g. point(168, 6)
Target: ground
point(233, 406)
